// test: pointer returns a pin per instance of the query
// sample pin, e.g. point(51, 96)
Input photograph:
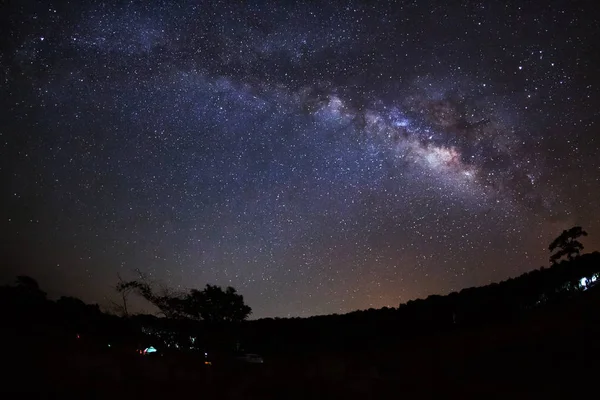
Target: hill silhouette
point(536, 333)
point(495, 303)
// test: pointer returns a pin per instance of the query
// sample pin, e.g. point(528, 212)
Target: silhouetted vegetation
point(213, 304)
point(493, 304)
point(567, 244)
point(541, 306)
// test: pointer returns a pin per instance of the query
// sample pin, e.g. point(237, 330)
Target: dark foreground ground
point(552, 354)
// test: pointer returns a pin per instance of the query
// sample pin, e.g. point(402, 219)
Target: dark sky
point(320, 158)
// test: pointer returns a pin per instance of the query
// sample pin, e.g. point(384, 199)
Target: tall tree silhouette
point(566, 244)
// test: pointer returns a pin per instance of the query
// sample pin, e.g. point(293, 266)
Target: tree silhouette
point(167, 301)
point(213, 304)
point(122, 309)
point(566, 244)
point(29, 285)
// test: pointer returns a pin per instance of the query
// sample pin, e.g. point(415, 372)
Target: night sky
point(320, 158)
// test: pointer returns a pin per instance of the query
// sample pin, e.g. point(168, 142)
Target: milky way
point(319, 158)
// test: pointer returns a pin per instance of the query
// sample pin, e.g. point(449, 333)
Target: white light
point(583, 282)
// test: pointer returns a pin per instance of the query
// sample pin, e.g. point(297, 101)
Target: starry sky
point(320, 157)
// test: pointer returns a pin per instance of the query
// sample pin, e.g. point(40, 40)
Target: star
point(318, 159)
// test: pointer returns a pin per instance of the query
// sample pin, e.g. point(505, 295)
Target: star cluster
point(318, 157)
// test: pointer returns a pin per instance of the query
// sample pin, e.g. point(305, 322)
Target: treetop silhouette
point(566, 244)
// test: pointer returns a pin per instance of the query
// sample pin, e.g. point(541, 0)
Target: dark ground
point(553, 353)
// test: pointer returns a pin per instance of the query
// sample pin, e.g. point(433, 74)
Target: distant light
point(109, 345)
point(583, 282)
point(149, 350)
point(42, 38)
